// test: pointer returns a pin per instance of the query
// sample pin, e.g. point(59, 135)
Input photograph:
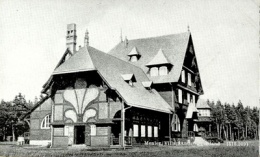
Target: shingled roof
point(158, 59)
point(174, 48)
point(80, 61)
point(133, 52)
point(111, 70)
point(202, 104)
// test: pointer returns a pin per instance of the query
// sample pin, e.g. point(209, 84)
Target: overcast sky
point(225, 37)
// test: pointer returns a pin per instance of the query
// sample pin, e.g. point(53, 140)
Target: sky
point(225, 35)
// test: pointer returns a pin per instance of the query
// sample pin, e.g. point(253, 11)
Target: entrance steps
point(200, 141)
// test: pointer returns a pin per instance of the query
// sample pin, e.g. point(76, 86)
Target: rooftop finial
point(121, 36)
point(188, 28)
point(86, 40)
point(126, 41)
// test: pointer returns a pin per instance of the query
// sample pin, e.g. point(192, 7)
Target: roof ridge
point(166, 35)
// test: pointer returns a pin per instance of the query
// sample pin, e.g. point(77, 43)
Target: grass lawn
point(252, 150)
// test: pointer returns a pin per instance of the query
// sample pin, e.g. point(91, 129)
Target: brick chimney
point(71, 38)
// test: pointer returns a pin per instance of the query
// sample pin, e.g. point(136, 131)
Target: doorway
point(79, 135)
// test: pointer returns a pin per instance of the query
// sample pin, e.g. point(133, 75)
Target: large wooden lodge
point(142, 90)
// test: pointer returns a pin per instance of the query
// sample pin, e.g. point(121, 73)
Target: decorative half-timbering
point(143, 90)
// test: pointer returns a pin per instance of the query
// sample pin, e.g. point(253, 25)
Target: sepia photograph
point(129, 78)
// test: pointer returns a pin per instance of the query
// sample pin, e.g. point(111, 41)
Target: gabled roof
point(80, 61)
point(202, 104)
point(133, 52)
point(127, 77)
point(111, 70)
point(158, 59)
point(174, 48)
point(147, 84)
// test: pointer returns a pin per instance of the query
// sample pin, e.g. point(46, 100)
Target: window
point(180, 95)
point(133, 58)
point(130, 83)
point(163, 70)
point(46, 122)
point(142, 131)
point(189, 79)
point(195, 128)
point(176, 123)
point(183, 76)
point(149, 131)
point(188, 97)
point(93, 130)
point(135, 130)
point(204, 113)
point(154, 71)
point(193, 99)
point(155, 131)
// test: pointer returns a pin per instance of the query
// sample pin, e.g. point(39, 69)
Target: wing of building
point(143, 90)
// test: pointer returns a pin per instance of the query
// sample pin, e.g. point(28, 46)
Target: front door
point(79, 134)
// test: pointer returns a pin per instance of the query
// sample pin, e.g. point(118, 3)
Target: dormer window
point(133, 58)
point(134, 55)
point(154, 71)
point(129, 78)
point(163, 70)
point(147, 84)
point(159, 65)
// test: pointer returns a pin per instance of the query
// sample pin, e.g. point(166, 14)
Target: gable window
point(189, 79)
point(163, 70)
point(46, 122)
point(176, 123)
point(183, 76)
point(179, 95)
point(154, 71)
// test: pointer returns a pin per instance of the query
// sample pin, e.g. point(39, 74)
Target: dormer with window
point(159, 65)
point(129, 78)
point(147, 85)
point(134, 55)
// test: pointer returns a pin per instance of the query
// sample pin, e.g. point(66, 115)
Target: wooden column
point(170, 128)
point(122, 124)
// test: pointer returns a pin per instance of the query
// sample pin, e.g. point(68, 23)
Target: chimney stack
point(71, 38)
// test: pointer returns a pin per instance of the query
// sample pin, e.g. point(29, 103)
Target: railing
point(117, 140)
point(208, 134)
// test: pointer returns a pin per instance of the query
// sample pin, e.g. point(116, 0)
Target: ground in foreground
point(251, 150)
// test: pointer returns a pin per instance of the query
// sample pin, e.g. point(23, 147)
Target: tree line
point(10, 111)
point(234, 122)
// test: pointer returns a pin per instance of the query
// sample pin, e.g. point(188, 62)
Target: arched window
point(154, 71)
point(176, 123)
point(163, 70)
point(195, 128)
point(46, 122)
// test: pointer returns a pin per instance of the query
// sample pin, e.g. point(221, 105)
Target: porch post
point(170, 128)
point(52, 119)
point(122, 124)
